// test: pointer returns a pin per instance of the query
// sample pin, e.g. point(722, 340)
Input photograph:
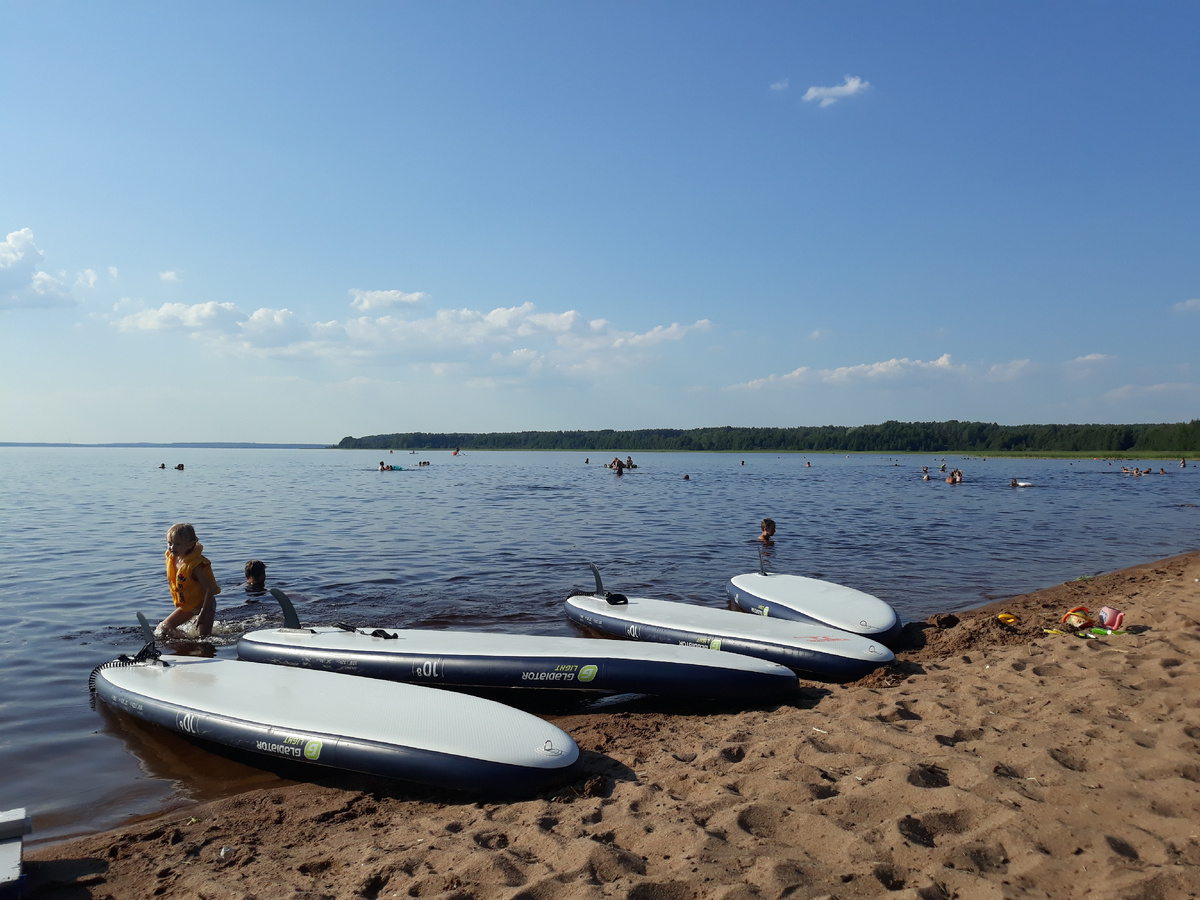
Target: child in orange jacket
point(193, 586)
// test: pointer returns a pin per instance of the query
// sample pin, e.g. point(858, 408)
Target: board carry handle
point(290, 619)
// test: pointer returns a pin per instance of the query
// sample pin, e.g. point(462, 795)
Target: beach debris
point(1079, 617)
point(1007, 618)
point(1111, 618)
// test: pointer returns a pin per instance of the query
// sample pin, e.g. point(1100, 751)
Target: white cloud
point(522, 340)
point(22, 283)
point(525, 358)
point(794, 377)
point(601, 338)
point(169, 276)
point(19, 247)
point(112, 270)
point(831, 95)
point(780, 85)
point(892, 368)
point(86, 278)
point(817, 333)
point(365, 301)
point(181, 316)
point(889, 369)
point(1188, 306)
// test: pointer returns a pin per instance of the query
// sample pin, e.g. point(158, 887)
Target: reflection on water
point(485, 541)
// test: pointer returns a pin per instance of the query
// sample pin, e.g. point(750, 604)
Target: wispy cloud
point(831, 95)
point(22, 282)
point(780, 85)
point(169, 276)
point(892, 369)
point(1188, 306)
point(1144, 391)
point(1084, 367)
point(1008, 371)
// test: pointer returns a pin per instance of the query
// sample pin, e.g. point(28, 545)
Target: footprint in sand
point(607, 863)
point(983, 859)
point(1068, 760)
point(491, 840)
point(789, 876)
point(929, 776)
point(893, 878)
point(926, 829)
point(761, 821)
point(960, 735)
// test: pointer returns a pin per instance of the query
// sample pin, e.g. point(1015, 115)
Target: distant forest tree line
point(890, 437)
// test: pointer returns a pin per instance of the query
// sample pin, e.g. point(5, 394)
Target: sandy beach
point(990, 760)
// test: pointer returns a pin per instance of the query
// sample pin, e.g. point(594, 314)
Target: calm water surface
point(485, 541)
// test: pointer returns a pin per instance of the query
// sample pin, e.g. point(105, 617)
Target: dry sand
point(989, 761)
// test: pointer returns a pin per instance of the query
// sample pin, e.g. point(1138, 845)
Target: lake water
point(483, 541)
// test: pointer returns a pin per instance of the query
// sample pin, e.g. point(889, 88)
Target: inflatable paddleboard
point(482, 660)
point(816, 602)
point(811, 650)
point(400, 731)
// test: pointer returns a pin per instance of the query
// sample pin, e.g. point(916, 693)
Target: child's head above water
point(256, 573)
point(181, 538)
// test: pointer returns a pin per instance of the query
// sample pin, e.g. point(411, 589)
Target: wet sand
point(989, 761)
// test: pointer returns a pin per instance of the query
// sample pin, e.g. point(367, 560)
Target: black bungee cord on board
point(148, 653)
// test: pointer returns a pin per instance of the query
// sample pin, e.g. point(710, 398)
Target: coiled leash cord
point(148, 653)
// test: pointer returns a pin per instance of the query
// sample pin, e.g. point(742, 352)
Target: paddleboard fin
point(599, 583)
point(147, 630)
point(290, 619)
point(614, 599)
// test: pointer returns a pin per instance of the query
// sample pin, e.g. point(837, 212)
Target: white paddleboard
point(328, 719)
point(818, 602)
point(484, 660)
point(813, 650)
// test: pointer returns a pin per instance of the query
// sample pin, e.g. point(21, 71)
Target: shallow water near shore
point(486, 541)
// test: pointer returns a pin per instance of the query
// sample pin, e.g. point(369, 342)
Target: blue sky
point(299, 221)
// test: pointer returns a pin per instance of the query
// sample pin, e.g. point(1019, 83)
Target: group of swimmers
point(619, 467)
point(955, 476)
point(386, 468)
point(178, 467)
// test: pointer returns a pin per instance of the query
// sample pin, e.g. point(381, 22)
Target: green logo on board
point(312, 750)
point(587, 673)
